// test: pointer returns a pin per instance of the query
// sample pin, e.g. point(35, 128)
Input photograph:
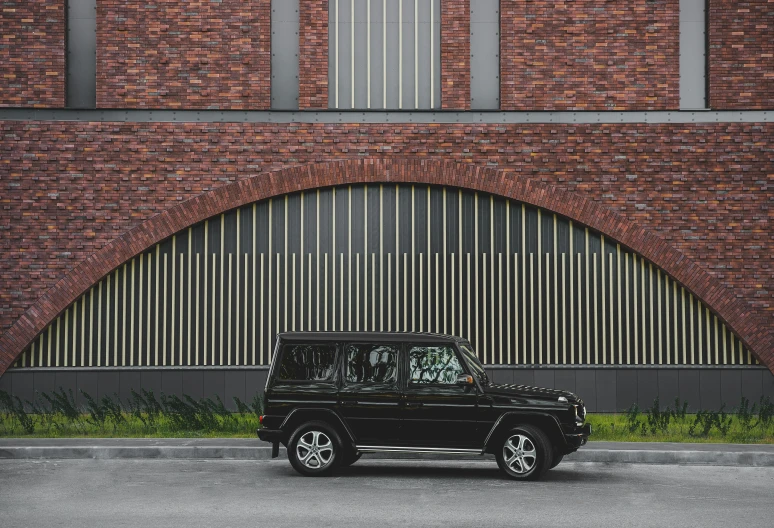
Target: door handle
point(414, 404)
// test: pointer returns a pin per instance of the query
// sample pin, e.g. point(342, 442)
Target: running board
point(424, 450)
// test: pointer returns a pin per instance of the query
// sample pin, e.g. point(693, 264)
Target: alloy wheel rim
point(519, 454)
point(314, 450)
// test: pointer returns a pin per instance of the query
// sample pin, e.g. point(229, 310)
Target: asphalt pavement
point(383, 493)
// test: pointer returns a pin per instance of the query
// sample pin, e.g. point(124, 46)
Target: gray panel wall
point(82, 53)
point(197, 383)
point(693, 54)
point(614, 389)
point(608, 389)
point(284, 54)
point(485, 54)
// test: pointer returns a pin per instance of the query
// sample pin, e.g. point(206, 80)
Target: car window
point(307, 363)
point(371, 363)
point(433, 364)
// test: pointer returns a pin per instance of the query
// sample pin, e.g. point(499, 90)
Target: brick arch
point(737, 314)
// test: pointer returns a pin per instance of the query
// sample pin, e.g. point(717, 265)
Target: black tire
point(326, 457)
point(350, 457)
point(557, 459)
point(529, 458)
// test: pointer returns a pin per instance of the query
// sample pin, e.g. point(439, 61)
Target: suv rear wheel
point(314, 449)
point(525, 453)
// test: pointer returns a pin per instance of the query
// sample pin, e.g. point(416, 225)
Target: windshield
point(475, 365)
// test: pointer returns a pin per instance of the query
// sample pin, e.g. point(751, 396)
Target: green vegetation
point(141, 416)
point(746, 424)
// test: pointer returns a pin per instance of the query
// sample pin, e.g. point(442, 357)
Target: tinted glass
point(371, 363)
point(434, 364)
point(307, 362)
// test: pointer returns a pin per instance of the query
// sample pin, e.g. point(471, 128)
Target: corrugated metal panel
point(497, 272)
point(384, 54)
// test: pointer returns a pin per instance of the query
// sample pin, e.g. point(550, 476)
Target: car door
point(369, 397)
point(437, 411)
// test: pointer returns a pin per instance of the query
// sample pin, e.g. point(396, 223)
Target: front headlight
point(580, 413)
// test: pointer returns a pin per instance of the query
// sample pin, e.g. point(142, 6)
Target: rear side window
point(307, 363)
point(433, 364)
point(372, 363)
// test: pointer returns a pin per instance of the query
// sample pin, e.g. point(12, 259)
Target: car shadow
point(404, 468)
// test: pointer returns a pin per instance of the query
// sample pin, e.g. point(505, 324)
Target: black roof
point(389, 337)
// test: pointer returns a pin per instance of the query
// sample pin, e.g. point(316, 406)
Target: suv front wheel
point(314, 449)
point(525, 453)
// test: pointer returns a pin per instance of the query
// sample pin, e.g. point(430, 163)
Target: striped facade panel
point(384, 54)
point(525, 286)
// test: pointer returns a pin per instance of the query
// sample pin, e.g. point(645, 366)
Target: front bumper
point(579, 436)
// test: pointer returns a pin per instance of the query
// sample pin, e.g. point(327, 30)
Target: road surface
point(383, 493)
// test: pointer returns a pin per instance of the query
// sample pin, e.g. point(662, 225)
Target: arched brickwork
point(734, 312)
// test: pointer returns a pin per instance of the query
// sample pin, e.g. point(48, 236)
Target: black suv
point(333, 396)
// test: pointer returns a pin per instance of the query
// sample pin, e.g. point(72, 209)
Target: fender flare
point(317, 410)
point(500, 424)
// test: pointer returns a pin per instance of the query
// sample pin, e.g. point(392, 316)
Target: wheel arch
point(301, 415)
point(545, 421)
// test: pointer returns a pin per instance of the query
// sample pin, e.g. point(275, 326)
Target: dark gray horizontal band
point(626, 367)
point(137, 369)
point(329, 402)
point(356, 117)
point(512, 367)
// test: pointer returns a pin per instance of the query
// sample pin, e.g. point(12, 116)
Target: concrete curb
point(741, 456)
point(703, 458)
point(139, 452)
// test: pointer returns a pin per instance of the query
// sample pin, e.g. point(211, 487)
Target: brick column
point(590, 55)
point(313, 55)
point(261, 83)
point(188, 55)
point(455, 54)
point(32, 53)
point(741, 50)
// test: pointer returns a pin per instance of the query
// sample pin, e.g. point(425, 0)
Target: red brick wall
point(32, 29)
point(741, 54)
point(70, 188)
point(590, 55)
point(195, 54)
point(313, 55)
point(455, 54)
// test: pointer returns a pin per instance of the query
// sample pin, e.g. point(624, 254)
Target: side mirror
point(465, 380)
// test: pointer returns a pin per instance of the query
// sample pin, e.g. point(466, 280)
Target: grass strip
point(143, 415)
